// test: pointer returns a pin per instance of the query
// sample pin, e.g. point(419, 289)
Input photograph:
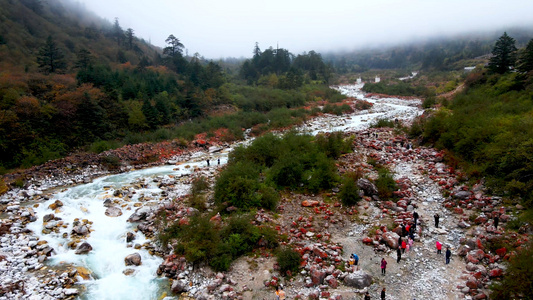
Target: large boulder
point(84, 248)
point(133, 259)
point(390, 239)
point(80, 230)
point(358, 279)
point(368, 187)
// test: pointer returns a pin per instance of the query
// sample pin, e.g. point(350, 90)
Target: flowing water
point(85, 203)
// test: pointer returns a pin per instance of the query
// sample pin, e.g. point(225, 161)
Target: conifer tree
point(50, 57)
point(525, 63)
point(504, 55)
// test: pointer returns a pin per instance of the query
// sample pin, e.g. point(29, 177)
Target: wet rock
point(130, 237)
point(358, 279)
point(113, 212)
point(140, 214)
point(80, 230)
point(133, 259)
point(84, 248)
point(48, 218)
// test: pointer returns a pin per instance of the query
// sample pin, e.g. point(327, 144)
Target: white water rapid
point(85, 204)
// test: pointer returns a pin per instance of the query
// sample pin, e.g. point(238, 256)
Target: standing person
point(404, 245)
point(448, 255)
point(383, 266)
point(398, 254)
point(207, 162)
point(439, 247)
point(415, 216)
point(367, 296)
point(496, 221)
point(436, 216)
point(404, 230)
point(411, 243)
point(383, 294)
point(218, 161)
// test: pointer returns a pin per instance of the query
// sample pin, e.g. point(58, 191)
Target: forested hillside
point(70, 81)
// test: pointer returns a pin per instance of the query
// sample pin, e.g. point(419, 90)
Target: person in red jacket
point(404, 245)
point(439, 247)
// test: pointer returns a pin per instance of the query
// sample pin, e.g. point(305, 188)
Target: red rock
point(479, 244)
point(501, 251)
point(478, 275)
point(325, 294)
point(495, 273)
point(472, 283)
point(458, 210)
point(367, 240)
point(310, 203)
point(184, 221)
point(480, 296)
point(332, 282)
point(472, 259)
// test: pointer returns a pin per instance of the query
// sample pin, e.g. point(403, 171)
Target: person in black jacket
point(383, 294)
point(436, 216)
point(448, 255)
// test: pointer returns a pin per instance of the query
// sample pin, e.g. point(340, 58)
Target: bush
point(111, 162)
point(288, 260)
point(379, 123)
point(517, 282)
point(349, 191)
point(385, 184)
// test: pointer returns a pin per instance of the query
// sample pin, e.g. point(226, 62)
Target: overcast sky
point(230, 28)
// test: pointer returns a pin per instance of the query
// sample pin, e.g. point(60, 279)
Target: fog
point(230, 28)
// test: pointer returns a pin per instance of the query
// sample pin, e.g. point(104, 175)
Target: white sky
point(230, 28)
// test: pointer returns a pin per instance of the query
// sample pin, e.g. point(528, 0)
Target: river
point(84, 204)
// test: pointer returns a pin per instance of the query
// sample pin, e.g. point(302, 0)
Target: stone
point(391, 239)
point(463, 195)
point(48, 217)
point(317, 276)
point(130, 237)
point(113, 212)
point(71, 292)
point(84, 248)
point(496, 273)
point(133, 259)
point(179, 286)
point(310, 203)
point(368, 187)
point(358, 279)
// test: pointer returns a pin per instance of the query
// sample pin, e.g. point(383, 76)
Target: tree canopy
point(504, 55)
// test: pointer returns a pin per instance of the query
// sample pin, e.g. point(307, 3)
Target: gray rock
point(179, 286)
point(358, 279)
point(463, 195)
point(84, 248)
point(368, 187)
point(133, 259)
point(113, 211)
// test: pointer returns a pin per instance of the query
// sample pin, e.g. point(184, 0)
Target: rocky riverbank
point(318, 226)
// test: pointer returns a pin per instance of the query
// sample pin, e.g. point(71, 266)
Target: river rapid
point(104, 205)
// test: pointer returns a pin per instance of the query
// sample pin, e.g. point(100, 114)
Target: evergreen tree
point(118, 33)
point(525, 63)
point(174, 46)
point(504, 54)
point(50, 57)
point(129, 38)
point(85, 59)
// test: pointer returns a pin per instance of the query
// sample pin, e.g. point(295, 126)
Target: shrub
point(379, 123)
point(385, 184)
point(111, 162)
point(520, 267)
point(288, 260)
point(349, 191)
point(199, 185)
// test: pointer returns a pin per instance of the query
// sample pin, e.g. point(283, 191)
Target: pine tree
point(526, 58)
point(50, 57)
point(504, 54)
